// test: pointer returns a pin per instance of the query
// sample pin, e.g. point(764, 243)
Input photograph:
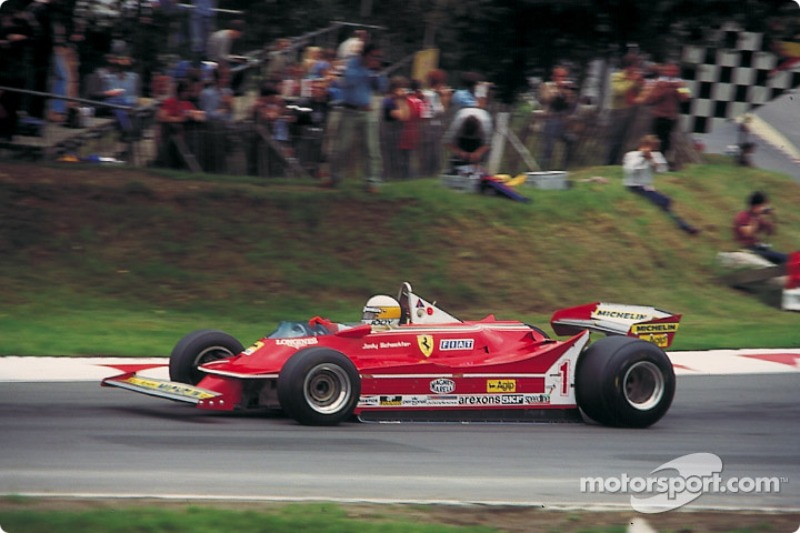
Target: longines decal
point(297, 343)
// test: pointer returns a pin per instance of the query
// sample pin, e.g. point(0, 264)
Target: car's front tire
point(198, 348)
point(625, 382)
point(319, 387)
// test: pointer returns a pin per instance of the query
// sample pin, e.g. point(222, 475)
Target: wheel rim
point(327, 388)
point(211, 353)
point(643, 385)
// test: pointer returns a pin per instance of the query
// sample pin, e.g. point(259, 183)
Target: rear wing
point(643, 322)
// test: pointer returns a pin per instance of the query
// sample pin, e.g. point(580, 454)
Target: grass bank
point(113, 516)
point(100, 260)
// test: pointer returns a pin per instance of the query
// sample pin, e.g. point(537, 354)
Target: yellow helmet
point(381, 310)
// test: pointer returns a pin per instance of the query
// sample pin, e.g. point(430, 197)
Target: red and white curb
point(700, 363)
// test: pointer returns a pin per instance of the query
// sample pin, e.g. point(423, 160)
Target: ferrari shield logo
point(425, 343)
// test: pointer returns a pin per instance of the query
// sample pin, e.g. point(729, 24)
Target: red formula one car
point(409, 360)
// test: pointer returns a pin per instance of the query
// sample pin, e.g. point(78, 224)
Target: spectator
point(177, 117)
point(410, 134)
point(270, 142)
point(362, 78)
point(437, 99)
point(278, 60)
point(559, 99)
point(14, 34)
point(466, 96)
point(292, 83)
point(203, 21)
point(353, 46)
point(758, 219)
point(311, 56)
point(311, 123)
point(639, 166)
point(216, 101)
point(64, 75)
point(626, 84)
point(394, 113)
point(41, 15)
point(665, 95)
point(220, 47)
point(216, 98)
point(746, 146)
point(121, 87)
point(95, 85)
point(322, 64)
point(468, 137)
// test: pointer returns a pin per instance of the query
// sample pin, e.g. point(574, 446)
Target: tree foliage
point(510, 40)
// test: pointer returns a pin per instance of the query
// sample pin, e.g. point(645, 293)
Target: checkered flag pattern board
point(730, 78)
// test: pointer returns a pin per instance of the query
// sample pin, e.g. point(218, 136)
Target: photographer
point(559, 99)
point(665, 95)
point(758, 219)
point(639, 166)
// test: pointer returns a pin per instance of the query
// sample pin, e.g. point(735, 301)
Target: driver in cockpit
point(382, 310)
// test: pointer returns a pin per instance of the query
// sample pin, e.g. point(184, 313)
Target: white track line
point(712, 362)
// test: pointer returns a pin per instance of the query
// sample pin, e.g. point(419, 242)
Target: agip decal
point(501, 385)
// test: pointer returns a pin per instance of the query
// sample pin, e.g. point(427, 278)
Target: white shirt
point(639, 170)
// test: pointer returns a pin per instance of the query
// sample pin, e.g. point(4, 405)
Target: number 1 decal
point(563, 370)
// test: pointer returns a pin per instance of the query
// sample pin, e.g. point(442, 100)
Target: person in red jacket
point(665, 96)
point(757, 219)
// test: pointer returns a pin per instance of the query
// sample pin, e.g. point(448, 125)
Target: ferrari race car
point(410, 360)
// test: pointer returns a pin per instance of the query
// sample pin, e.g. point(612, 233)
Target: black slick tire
point(319, 387)
point(624, 382)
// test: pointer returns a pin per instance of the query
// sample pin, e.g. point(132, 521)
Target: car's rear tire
point(319, 387)
point(198, 348)
point(626, 382)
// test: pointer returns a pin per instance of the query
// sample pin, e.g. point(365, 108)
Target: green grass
point(317, 518)
point(125, 262)
point(34, 515)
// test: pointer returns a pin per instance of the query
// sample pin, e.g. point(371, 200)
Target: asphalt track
point(77, 439)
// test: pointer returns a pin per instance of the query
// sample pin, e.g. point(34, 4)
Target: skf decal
point(425, 343)
point(456, 344)
point(297, 343)
point(663, 327)
point(501, 385)
point(443, 386)
point(253, 348)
